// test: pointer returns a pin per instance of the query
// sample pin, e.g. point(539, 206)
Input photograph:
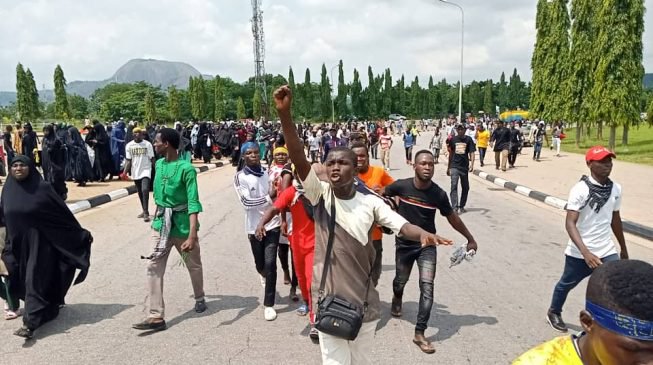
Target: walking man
point(256, 193)
point(461, 162)
point(347, 216)
point(515, 144)
point(139, 156)
point(419, 200)
point(592, 217)
point(501, 141)
point(540, 137)
point(175, 224)
point(385, 140)
point(482, 139)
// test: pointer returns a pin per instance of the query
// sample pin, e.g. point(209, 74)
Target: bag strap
point(327, 260)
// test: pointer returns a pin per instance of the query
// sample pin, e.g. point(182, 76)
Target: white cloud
point(92, 39)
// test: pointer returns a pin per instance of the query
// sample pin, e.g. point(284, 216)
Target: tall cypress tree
point(582, 63)
point(203, 98)
point(371, 102)
point(218, 98)
point(502, 92)
point(307, 92)
point(619, 71)
point(23, 104)
point(174, 106)
point(325, 94)
point(297, 96)
point(61, 109)
point(240, 109)
point(387, 94)
point(33, 93)
point(341, 100)
point(356, 96)
point(415, 99)
point(194, 98)
point(539, 60)
point(256, 104)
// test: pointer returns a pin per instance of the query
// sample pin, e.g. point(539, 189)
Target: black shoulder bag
point(336, 316)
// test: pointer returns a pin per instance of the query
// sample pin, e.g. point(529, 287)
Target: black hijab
point(32, 204)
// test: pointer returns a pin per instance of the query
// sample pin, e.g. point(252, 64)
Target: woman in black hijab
point(78, 161)
point(54, 161)
point(45, 245)
point(99, 141)
point(30, 141)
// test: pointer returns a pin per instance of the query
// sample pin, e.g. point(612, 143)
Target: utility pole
point(259, 55)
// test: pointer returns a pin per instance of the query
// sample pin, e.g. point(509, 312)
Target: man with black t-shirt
point(501, 140)
point(419, 199)
point(461, 161)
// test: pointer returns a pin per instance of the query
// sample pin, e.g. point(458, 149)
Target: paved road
point(486, 312)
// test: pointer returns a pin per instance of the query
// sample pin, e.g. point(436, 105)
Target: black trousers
point(406, 256)
point(265, 259)
point(143, 189)
point(512, 156)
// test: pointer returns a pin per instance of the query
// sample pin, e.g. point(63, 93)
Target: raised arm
point(283, 101)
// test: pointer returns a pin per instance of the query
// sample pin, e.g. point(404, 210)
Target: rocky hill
point(154, 72)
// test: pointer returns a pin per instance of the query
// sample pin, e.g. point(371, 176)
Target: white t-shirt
point(314, 143)
point(594, 228)
point(141, 155)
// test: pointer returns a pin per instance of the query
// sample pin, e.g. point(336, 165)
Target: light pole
point(333, 106)
point(462, 45)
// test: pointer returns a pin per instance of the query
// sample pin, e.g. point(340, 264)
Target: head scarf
point(280, 150)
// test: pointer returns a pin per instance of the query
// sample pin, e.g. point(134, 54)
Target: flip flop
point(425, 346)
point(9, 314)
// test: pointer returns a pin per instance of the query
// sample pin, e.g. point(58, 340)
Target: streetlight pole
point(462, 47)
point(333, 106)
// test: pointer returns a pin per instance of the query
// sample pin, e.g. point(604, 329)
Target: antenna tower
point(259, 55)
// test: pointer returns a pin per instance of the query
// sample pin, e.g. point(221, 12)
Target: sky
point(91, 39)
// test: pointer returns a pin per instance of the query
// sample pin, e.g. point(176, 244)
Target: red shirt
point(303, 227)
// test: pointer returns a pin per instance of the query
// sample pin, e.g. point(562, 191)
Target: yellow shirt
point(559, 351)
point(482, 139)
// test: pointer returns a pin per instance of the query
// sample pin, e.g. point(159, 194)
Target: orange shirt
point(376, 178)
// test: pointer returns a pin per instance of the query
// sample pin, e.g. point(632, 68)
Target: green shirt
point(175, 183)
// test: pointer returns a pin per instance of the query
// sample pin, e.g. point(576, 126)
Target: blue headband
point(621, 324)
point(247, 146)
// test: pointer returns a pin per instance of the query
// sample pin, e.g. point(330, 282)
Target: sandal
point(9, 314)
point(24, 332)
point(425, 346)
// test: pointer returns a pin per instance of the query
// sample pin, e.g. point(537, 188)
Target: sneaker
point(263, 281)
point(462, 210)
point(302, 310)
point(314, 334)
point(146, 218)
point(395, 308)
point(150, 324)
point(270, 314)
point(142, 215)
point(556, 322)
point(200, 306)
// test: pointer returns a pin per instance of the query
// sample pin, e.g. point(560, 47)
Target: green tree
point(174, 104)
point(325, 95)
point(488, 98)
point(649, 114)
point(582, 63)
point(474, 97)
point(297, 96)
point(549, 96)
point(502, 93)
point(619, 70)
point(240, 109)
point(219, 102)
point(371, 95)
point(60, 98)
point(341, 100)
point(356, 96)
point(33, 93)
point(307, 94)
point(23, 100)
point(150, 108)
point(256, 104)
point(386, 108)
point(78, 106)
point(415, 100)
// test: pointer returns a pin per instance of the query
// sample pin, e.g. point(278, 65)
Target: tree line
point(587, 65)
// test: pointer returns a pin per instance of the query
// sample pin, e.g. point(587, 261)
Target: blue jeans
point(575, 271)
point(537, 150)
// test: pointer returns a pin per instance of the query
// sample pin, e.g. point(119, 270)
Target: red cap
point(598, 153)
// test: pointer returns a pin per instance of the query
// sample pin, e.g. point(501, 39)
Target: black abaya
point(54, 162)
point(45, 246)
point(79, 162)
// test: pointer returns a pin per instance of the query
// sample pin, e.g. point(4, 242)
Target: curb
point(629, 227)
point(114, 195)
